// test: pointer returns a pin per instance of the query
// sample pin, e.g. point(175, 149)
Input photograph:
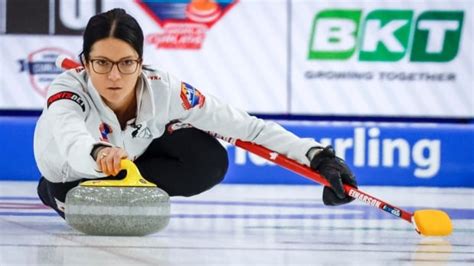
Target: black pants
point(183, 163)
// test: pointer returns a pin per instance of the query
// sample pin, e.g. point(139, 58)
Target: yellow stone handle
point(132, 179)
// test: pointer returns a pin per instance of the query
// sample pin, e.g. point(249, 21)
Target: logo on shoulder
point(67, 95)
point(191, 97)
point(184, 23)
point(41, 67)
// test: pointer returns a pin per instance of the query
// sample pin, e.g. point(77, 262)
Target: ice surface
point(247, 225)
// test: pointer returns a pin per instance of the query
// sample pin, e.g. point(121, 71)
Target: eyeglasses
point(104, 66)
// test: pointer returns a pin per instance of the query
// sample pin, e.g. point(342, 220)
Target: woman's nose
point(114, 74)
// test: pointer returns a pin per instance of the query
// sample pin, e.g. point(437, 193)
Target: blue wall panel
point(16, 144)
point(394, 154)
point(425, 155)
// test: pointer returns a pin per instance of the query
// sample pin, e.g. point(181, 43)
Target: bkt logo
point(386, 35)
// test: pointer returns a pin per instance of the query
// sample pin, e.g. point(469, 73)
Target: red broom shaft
point(309, 173)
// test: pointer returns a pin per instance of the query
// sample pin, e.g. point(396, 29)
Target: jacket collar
point(146, 104)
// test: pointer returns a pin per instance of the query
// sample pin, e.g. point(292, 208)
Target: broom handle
point(309, 173)
point(283, 161)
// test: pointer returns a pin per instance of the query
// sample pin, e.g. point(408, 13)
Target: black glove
point(336, 171)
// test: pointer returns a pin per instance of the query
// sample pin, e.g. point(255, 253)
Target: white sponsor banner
point(237, 52)
point(382, 58)
point(376, 58)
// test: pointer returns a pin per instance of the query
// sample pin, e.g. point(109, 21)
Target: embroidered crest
point(105, 130)
point(191, 97)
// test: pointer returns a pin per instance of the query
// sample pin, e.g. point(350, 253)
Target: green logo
point(338, 30)
point(386, 35)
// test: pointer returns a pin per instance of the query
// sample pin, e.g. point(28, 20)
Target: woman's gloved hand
point(336, 171)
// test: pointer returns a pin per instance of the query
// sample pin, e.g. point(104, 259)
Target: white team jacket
point(75, 119)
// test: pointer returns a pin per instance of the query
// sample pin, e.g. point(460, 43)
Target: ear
point(82, 58)
point(84, 63)
point(140, 68)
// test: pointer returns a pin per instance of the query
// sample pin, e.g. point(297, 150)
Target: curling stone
point(128, 207)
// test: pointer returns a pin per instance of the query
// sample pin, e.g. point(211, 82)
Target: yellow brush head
point(432, 223)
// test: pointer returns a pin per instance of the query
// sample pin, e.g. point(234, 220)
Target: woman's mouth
point(114, 88)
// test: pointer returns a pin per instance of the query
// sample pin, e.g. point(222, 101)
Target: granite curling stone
point(128, 207)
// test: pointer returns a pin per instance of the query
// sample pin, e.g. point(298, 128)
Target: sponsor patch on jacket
point(141, 131)
point(176, 125)
point(191, 97)
point(67, 95)
point(105, 130)
point(154, 77)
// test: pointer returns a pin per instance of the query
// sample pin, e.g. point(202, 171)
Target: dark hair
point(114, 23)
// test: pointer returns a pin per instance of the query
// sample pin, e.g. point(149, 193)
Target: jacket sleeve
point(209, 114)
point(67, 111)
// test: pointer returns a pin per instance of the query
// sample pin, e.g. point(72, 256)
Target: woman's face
point(116, 88)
